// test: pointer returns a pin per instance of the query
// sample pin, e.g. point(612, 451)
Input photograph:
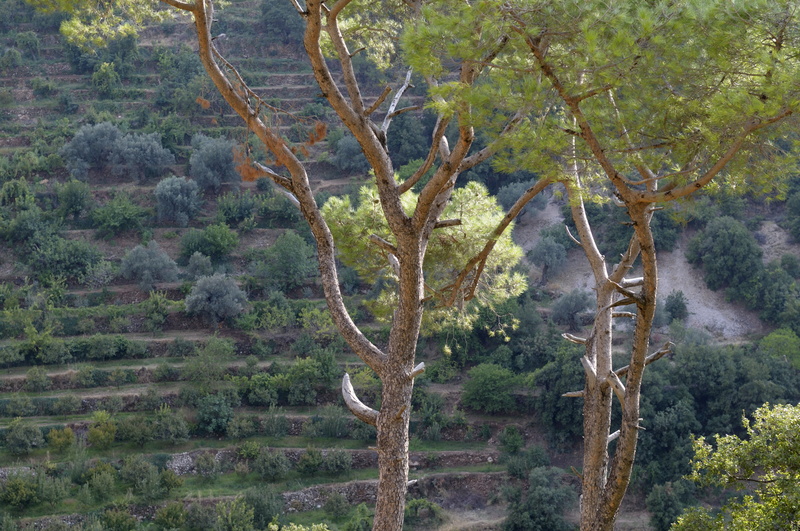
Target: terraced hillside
point(166, 357)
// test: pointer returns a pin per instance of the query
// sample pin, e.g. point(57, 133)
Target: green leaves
point(769, 460)
point(449, 249)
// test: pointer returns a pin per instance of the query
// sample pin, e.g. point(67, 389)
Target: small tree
point(60, 439)
point(675, 306)
point(90, 148)
point(140, 156)
point(106, 80)
point(148, 264)
point(234, 515)
point(199, 266)
point(74, 198)
point(102, 430)
point(118, 215)
point(21, 438)
point(489, 389)
point(568, 307)
point(213, 414)
point(549, 255)
point(211, 163)
point(272, 465)
point(216, 298)
point(215, 241)
point(178, 200)
point(286, 264)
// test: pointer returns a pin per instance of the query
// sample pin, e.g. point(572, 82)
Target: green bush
point(118, 215)
point(21, 438)
point(215, 241)
point(568, 307)
point(213, 415)
point(140, 156)
point(489, 389)
point(74, 198)
point(287, 264)
point(272, 465)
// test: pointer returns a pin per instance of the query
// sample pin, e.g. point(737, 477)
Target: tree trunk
point(597, 404)
point(392, 446)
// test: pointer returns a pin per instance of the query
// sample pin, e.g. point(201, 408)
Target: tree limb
point(356, 406)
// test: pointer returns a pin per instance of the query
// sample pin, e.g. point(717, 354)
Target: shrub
point(234, 515)
point(58, 257)
point(489, 389)
point(118, 215)
point(199, 266)
point(310, 462)
point(349, 157)
point(206, 465)
point(106, 80)
point(21, 438)
point(215, 241)
point(675, 306)
point(266, 504)
point(286, 264)
point(171, 516)
point(730, 257)
point(74, 198)
point(211, 163)
point(549, 255)
point(337, 461)
point(102, 430)
point(19, 490)
point(36, 380)
point(90, 148)
point(213, 414)
point(169, 426)
point(149, 264)
point(140, 156)
point(216, 298)
point(177, 199)
point(272, 465)
point(336, 506)
point(422, 512)
point(60, 439)
point(233, 208)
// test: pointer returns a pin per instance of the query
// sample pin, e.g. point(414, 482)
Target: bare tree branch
point(356, 406)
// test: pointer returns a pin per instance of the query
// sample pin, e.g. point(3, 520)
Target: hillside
point(126, 402)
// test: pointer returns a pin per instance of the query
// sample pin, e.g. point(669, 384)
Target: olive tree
point(148, 264)
point(594, 96)
point(216, 298)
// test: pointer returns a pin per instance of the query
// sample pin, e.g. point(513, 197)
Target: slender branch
point(298, 7)
point(383, 244)
point(613, 436)
point(395, 102)
point(419, 369)
point(618, 387)
point(374, 107)
point(655, 356)
point(438, 135)
point(574, 339)
point(442, 223)
point(184, 6)
point(477, 262)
